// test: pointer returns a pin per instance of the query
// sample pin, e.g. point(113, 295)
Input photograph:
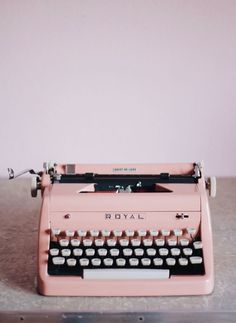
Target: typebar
point(126, 274)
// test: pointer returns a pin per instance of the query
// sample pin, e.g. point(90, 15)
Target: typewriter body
point(124, 230)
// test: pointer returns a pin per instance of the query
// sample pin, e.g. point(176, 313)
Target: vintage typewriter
point(110, 230)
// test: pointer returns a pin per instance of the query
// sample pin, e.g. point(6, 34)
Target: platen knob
point(211, 186)
point(34, 186)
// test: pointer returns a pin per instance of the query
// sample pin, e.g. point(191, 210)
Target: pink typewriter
point(124, 230)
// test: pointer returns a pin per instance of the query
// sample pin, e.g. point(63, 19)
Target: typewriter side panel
point(43, 243)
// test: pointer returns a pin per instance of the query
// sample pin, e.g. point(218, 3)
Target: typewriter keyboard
point(129, 254)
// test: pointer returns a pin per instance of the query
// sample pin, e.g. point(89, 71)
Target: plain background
point(118, 81)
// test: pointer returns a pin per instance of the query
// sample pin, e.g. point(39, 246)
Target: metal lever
point(12, 174)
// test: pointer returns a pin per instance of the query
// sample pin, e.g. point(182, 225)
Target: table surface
point(19, 215)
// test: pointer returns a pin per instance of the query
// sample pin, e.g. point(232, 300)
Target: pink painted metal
point(88, 211)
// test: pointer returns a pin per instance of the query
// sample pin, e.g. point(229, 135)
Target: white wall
point(118, 81)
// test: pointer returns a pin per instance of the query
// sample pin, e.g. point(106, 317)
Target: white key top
point(142, 232)
point(158, 261)
point(146, 261)
point(71, 262)
point(55, 231)
point(172, 242)
point(184, 242)
point(65, 252)
point(170, 261)
point(58, 260)
point(87, 242)
point(54, 252)
point(183, 261)
point(151, 252)
point(138, 252)
point(108, 261)
point(99, 242)
point(114, 252)
point(102, 252)
point(90, 252)
point(96, 262)
point(160, 242)
point(120, 262)
point(135, 242)
point(133, 261)
point(75, 242)
point(84, 262)
point(117, 232)
point(94, 233)
point(154, 233)
point(124, 242)
point(106, 233)
point(175, 251)
point(191, 231)
point(147, 242)
point(126, 274)
point(187, 251)
point(127, 252)
point(129, 233)
point(81, 233)
point(64, 242)
point(195, 260)
point(111, 242)
point(70, 233)
point(163, 252)
point(197, 245)
point(77, 252)
point(178, 232)
point(165, 232)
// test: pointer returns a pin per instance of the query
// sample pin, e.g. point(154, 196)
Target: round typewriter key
point(75, 242)
point(114, 252)
point(154, 233)
point(138, 252)
point(87, 242)
point(64, 242)
point(96, 262)
point(163, 252)
point(135, 242)
point(147, 242)
point(111, 242)
point(77, 252)
point(65, 252)
point(117, 232)
point(178, 232)
point(165, 232)
point(84, 262)
point(195, 260)
point(99, 242)
point(106, 233)
point(197, 245)
point(90, 252)
point(58, 260)
point(184, 242)
point(158, 261)
point(172, 242)
point(108, 261)
point(55, 231)
point(160, 242)
point(54, 252)
point(124, 242)
point(129, 233)
point(146, 262)
point(127, 252)
point(81, 233)
point(94, 233)
point(175, 251)
point(142, 233)
point(151, 252)
point(133, 261)
point(183, 261)
point(187, 251)
point(191, 231)
point(70, 233)
point(102, 252)
point(71, 262)
point(120, 262)
point(170, 261)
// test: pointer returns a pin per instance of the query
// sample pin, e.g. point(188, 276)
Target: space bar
point(126, 274)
